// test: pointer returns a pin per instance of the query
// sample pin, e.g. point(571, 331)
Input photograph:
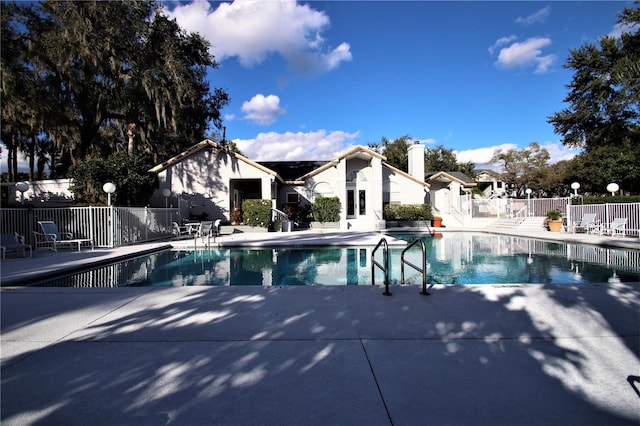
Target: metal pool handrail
point(422, 270)
point(384, 267)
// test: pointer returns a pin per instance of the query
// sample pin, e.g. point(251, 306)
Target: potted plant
point(436, 221)
point(554, 220)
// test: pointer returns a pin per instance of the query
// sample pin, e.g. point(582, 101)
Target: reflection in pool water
point(460, 258)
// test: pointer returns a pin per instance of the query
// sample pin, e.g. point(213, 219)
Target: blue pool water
point(457, 258)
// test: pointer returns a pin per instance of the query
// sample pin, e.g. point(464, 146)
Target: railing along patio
point(106, 226)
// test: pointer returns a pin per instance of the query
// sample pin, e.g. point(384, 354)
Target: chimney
point(416, 161)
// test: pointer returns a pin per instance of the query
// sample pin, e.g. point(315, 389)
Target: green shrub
point(592, 199)
point(256, 212)
point(408, 212)
point(326, 209)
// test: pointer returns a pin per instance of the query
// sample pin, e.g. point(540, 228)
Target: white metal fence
point(106, 226)
point(606, 213)
point(514, 207)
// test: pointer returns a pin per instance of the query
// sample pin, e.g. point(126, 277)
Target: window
point(351, 203)
point(293, 198)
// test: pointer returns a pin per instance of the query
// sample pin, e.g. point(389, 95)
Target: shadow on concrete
point(324, 355)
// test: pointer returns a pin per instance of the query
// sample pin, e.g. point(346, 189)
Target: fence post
point(91, 227)
point(111, 230)
point(147, 222)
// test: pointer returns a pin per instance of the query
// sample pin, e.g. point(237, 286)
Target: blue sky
point(309, 80)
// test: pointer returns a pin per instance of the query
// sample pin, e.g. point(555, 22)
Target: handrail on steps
point(422, 269)
point(525, 213)
point(384, 267)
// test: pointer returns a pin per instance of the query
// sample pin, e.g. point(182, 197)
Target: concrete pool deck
point(481, 354)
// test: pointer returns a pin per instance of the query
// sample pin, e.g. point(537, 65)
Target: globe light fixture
point(575, 186)
point(613, 188)
point(22, 187)
point(166, 193)
point(109, 188)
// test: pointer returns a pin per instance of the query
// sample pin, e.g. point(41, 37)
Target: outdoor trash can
point(287, 226)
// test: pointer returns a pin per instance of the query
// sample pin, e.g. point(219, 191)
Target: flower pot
point(436, 222)
point(555, 225)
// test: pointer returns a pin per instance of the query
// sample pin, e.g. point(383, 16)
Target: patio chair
point(13, 242)
point(179, 231)
point(587, 224)
point(617, 227)
point(204, 230)
point(51, 238)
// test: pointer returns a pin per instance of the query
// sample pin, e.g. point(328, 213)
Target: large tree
point(603, 113)
point(396, 151)
point(107, 76)
point(529, 168)
point(604, 94)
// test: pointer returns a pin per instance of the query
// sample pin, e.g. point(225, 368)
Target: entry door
point(356, 202)
point(351, 202)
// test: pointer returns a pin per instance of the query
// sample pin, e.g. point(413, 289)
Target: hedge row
point(408, 212)
point(592, 199)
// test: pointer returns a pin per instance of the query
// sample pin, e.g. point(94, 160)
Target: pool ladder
point(384, 267)
point(422, 268)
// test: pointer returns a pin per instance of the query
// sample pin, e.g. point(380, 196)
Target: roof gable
point(207, 143)
point(357, 151)
point(406, 175)
point(458, 177)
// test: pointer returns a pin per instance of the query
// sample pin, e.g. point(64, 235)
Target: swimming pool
point(457, 258)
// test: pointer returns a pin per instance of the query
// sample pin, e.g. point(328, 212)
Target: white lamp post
point(109, 188)
point(613, 188)
point(528, 191)
point(22, 187)
point(166, 192)
point(575, 186)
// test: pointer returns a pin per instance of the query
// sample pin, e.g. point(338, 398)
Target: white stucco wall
point(202, 179)
point(410, 192)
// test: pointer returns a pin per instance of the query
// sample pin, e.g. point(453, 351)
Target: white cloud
point(252, 30)
point(539, 16)
point(501, 42)
point(480, 156)
point(299, 146)
point(526, 54)
point(263, 110)
point(619, 28)
point(559, 152)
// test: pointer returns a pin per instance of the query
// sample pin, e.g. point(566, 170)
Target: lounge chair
point(13, 242)
point(179, 231)
point(204, 230)
point(588, 224)
point(617, 227)
point(51, 238)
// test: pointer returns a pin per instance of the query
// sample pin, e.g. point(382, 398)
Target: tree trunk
point(131, 134)
point(32, 158)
